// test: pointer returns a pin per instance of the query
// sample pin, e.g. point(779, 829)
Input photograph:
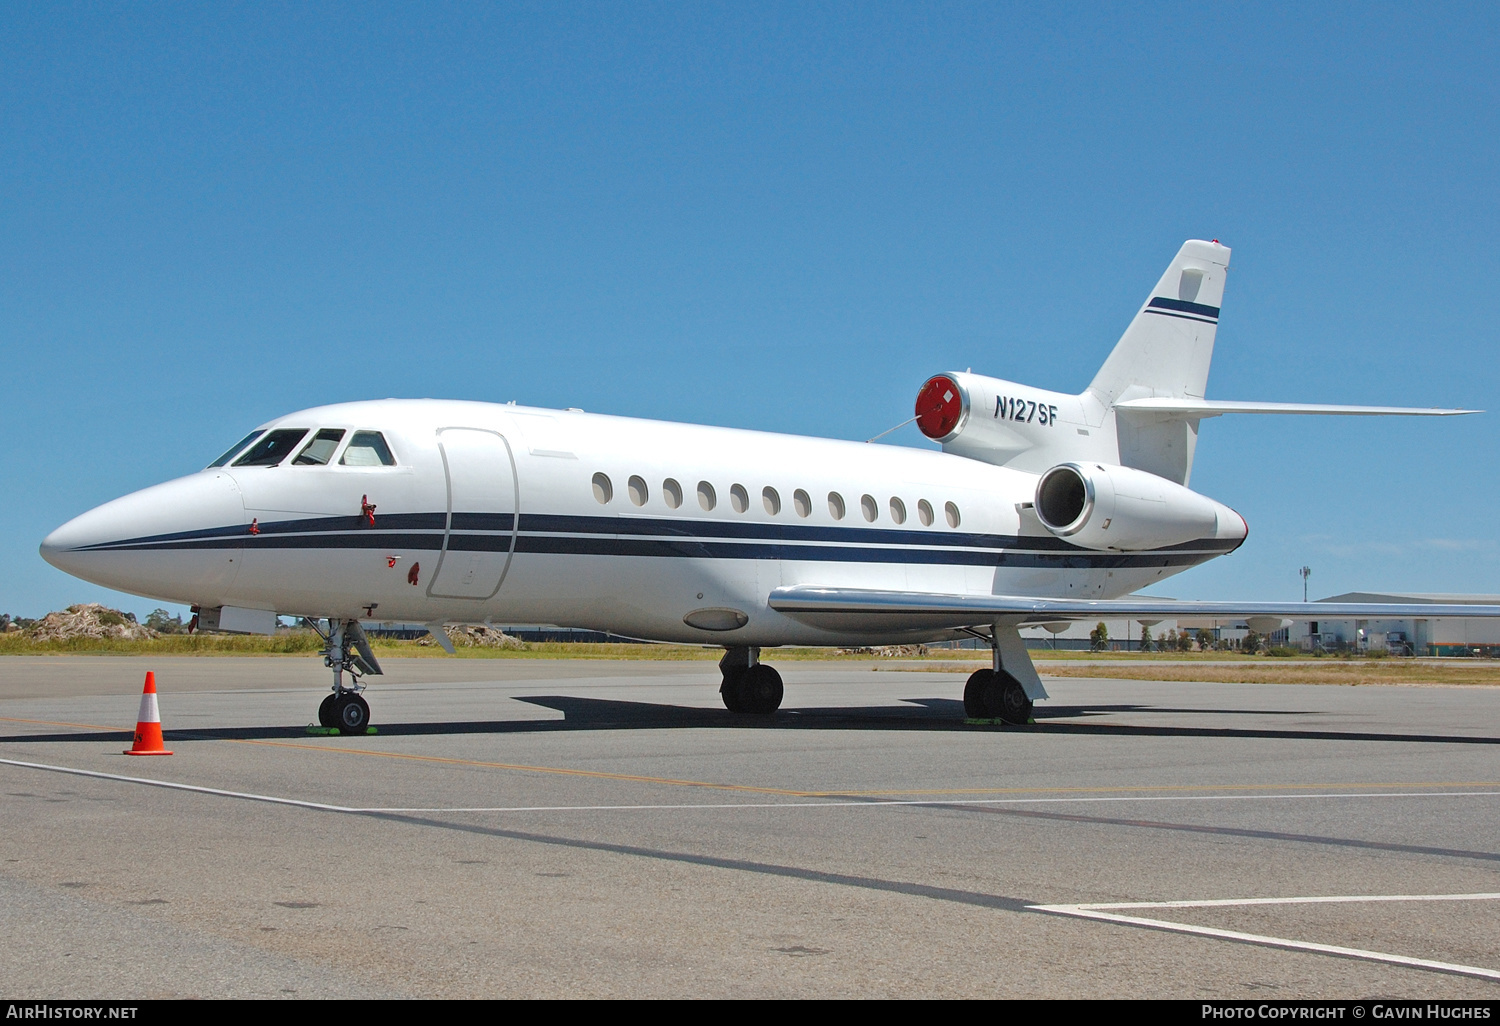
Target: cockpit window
point(273, 448)
point(252, 436)
point(319, 451)
point(368, 449)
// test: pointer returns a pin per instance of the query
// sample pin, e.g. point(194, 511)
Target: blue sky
point(761, 215)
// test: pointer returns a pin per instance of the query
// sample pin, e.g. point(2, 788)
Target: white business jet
point(1041, 507)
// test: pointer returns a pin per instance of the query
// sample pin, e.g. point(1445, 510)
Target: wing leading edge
point(866, 610)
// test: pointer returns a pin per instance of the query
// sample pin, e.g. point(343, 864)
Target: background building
point(1440, 636)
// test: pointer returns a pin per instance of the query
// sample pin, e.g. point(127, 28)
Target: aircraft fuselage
point(648, 529)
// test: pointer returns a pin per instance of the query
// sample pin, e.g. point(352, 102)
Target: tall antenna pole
point(1305, 573)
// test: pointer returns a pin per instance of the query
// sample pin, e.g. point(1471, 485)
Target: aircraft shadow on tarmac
point(920, 714)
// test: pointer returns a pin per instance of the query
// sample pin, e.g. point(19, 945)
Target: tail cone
point(148, 739)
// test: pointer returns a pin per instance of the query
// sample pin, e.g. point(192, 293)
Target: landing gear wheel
point(753, 689)
point(731, 691)
point(996, 696)
point(1013, 706)
point(325, 713)
point(974, 699)
point(760, 689)
point(351, 714)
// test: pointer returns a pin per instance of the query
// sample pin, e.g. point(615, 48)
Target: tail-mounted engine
point(1006, 423)
point(1099, 506)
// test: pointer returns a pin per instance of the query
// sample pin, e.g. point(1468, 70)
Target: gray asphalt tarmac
point(571, 828)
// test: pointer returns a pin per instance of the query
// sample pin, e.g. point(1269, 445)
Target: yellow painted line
point(55, 723)
point(522, 768)
point(789, 792)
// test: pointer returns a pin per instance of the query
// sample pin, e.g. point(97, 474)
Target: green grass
point(1197, 666)
point(306, 643)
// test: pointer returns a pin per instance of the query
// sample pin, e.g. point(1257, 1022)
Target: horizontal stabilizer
point(1198, 409)
point(867, 610)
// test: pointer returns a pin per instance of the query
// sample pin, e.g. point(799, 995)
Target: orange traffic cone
point(148, 740)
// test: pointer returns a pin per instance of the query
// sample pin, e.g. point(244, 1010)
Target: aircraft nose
point(64, 547)
point(137, 543)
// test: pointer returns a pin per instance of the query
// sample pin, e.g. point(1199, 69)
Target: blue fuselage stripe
point(669, 538)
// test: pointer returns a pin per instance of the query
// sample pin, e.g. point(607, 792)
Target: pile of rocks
point(477, 636)
point(89, 620)
point(887, 651)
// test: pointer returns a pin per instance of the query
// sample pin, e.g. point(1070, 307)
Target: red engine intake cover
point(940, 407)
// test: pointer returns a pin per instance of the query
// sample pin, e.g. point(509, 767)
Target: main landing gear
point(750, 686)
point(994, 694)
point(346, 650)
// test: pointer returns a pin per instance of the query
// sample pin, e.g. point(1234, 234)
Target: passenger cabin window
point(319, 451)
point(252, 436)
point(368, 449)
point(273, 448)
point(672, 492)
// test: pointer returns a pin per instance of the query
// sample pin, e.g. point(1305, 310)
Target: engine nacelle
point(1102, 506)
point(1009, 424)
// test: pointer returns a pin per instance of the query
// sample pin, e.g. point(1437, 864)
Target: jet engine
point(1101, 506)
point(1009, 424)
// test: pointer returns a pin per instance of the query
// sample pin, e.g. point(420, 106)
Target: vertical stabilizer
point(1165, 352)
point(1167, 348)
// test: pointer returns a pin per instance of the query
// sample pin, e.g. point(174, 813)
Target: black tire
point(761, 690)
point(996, 696)
point(732, 692)
point(351, 714)
point(1011, 704)
point(325, 713)
point(976, 704)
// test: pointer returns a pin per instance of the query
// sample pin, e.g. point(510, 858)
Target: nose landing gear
point(348, 712)
point(346, 650)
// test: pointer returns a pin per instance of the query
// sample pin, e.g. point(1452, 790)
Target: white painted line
point(174, 786)
point(1318, 900)
point(868, 803)
point(1096, 912)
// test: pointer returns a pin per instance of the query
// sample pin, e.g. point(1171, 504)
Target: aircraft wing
point(1200, 409)
point(868, 610)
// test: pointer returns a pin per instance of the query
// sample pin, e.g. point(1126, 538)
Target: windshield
point(320, 450)
point(368, 449)
point(236, 447)
point(272, 449)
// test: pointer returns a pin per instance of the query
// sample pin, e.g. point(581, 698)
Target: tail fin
point(1167, 348)
point(1165, 353)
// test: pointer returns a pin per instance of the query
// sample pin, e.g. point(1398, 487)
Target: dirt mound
point(477, 636)
point(90, 620)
